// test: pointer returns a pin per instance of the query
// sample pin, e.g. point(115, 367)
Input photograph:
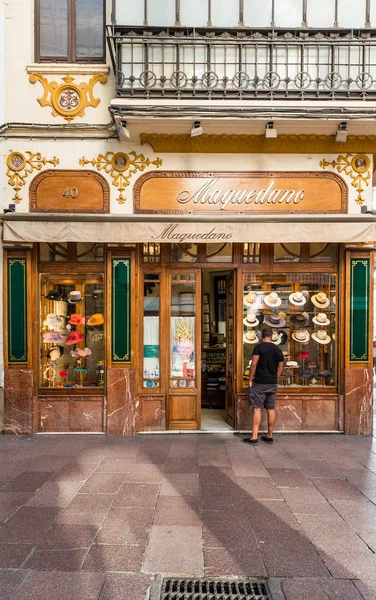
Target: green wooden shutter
point(121, 310)
point(17, 311)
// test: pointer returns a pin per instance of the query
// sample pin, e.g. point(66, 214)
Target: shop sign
point(174, 192)
point(64, 191)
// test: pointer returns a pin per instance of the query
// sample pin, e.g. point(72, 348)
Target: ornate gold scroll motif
point(357, 167)
point(120, 167)
point(68, 99)
point(20, 166)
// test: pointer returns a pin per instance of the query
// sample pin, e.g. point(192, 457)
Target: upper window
point(70, 31)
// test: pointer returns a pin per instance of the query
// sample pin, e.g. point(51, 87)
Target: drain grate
point(214, 589)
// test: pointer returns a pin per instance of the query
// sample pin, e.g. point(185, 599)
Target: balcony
point(215, 64)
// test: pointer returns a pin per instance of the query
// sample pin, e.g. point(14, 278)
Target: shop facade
point(134, 315)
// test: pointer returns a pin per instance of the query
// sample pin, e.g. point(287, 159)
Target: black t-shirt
point(267, 366)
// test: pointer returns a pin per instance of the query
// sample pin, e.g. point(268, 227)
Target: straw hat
point(301, 336)
point(321, 336)
point(297, 298)
point(251, 320)
point(300, 319)
point(250, 337)
point(320, 300)
point(250, 299)
point(273, 300)
point(292, 364)
point(321, 319)
point(274, 321)
point(276, 338)
point(95, 320)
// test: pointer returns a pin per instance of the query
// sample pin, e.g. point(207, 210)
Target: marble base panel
point(123, 406)
point(153, 413)
point(18, 401)
point(296, 413)
point(358, 401)
point(64, 414)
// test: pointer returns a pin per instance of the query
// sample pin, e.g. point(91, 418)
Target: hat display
point(74, 297)
point(300, 319)
point(77, 319)
point(55, 352)
point(251, 320)
point(274, 321)
point(52, 320)
point(276, 338)
point(321, 336)
point(95, 320)
point(83, 352)
point(53, 295)
point(250, 337)
point(96, 293)
point(301, 336)
point(284, 337)
point(297, 298)
point(320, 300)
point(250, 299)
point(52, 337)
point(287, 373)
point(321, 319)
point(273, 300)
point(74, 338)
point(292, 364)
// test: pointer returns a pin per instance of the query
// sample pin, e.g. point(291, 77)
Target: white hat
point(250, 337)
point(276, 337)
point(321, 319)
point(250, 299)
point(320, 300)
point(251, 320)
point(321, 336)
point(52, 320)
point(297, 298)
point(301, 336)
point(292, 364)
point(74, 297)
point(273, 300)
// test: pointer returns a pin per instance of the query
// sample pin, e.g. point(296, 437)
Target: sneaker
point(250, 441)
point(268, 440)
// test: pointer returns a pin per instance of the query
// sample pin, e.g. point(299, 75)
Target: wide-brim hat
point(320, 300)
point(321, 336)
point(52, 320)
point(53, 295)
point(95, 320)
point(297, 298)
point(250, 299)
point(276, 338)
point(52, 337)
point(77, 319)
point(273, 300)
point(274, 321)
point(292, 364)
point(74, 338)
point(301, 336)
point(321, 319)
point(83, 352)
point(74, 297)
point(253, 340)
point(253, 323)
point(300, 319)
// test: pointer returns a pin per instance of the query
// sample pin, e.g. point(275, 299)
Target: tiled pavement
point(86, 517)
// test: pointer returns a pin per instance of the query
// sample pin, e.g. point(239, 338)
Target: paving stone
point(307, 501)
point(225, 562)
point(292, 478)
point(55, 494)
point(28, 525)
point(28, 482)
point(229, 498)
point(11, 501)
point(181, 466)
point(145, 473)
point(176, 484)
point(222, 530)
point(351, 565)
point(331, 534)
point(174, 510)
point(142, 495)
point(122, 586)
point(57, 560)
point(183, 450)
point(248, 468)
point(105, 557)
point(10, 581)
point(74, 471)
point(258, 487)
point(47, 463)
point(215, 458)
point(367, 589)
point(174, 550)
point(91, 502)
point(114, 465)
point(13, 555)
point(80, 517)
point(318, 468)
point(270, 515)
point(103, 483)
point(308, 589)
point(216, 476)
point(339, 489)
point(61, 586)
point(65, 537)
point(126, 526)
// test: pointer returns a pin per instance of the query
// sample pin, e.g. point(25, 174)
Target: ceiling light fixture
point(342, 133)
point(270, 130)
point(196, 129)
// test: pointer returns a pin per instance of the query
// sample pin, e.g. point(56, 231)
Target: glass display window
point(151, 344)
point(72, 338)
point(287, 252)
point(183, 330)
point(300, 308)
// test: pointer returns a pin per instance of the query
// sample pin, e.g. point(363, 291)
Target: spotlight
point(342, 133)
point(196, 129)
point(270, 130)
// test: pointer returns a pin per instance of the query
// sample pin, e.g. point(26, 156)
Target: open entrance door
point(230, 350)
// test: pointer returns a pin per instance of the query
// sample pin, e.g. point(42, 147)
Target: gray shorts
point(262, 395)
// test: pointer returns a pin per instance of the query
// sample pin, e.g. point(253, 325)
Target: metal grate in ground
point(214, 589)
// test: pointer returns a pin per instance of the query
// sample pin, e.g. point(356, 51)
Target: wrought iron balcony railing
point(242, 63)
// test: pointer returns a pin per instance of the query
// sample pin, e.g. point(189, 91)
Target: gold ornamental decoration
point(68, 99)
point(120, 166)
point(20, 166)
point(183, 332)
point(357, 167)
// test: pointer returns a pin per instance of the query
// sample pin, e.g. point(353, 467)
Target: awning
point(32, 227)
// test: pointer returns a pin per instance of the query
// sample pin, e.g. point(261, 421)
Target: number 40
point(72, 192)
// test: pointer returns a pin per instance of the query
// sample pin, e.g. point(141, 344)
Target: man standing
point(266, 367)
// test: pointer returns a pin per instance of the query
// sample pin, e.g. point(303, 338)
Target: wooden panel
point(65, 191)
point(182, 412)
point(251, 192)
point(17, 325)
point(121, 310)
